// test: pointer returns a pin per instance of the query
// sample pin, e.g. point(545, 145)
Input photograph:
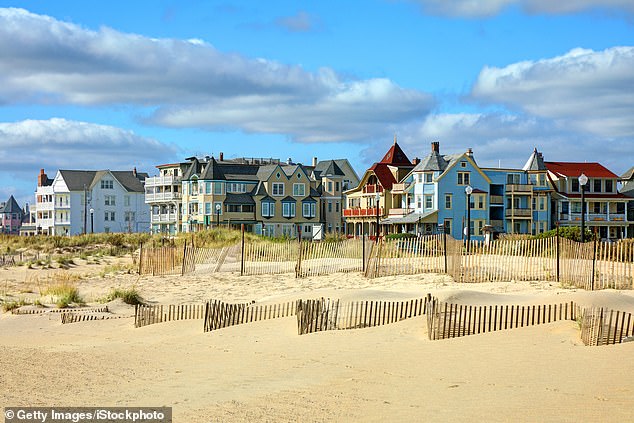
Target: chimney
point(134, 172)
point(314, 161)
point(470, 153)
point(416, 161)
point(435, 147)
point(222, 156)
point(42, 178)
point(289, 161)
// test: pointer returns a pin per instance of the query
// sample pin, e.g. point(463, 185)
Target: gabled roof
point(212, 171)
point(78, 180)
point(129, 181)
point(11, 206)
point(629, 175)
point(194, 168)
point(384, 175)
point(328, 167)
point(535, 162)
point(239, 199)
point(395, 156)
point(575, 169)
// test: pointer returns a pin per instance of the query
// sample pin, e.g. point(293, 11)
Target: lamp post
point(217, 215)
point(92, 220)
point(468, 190)
point(583, 180)
point(377, 197)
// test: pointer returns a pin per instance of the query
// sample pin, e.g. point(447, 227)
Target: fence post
point(140, 257)
point(594, 259)
point(184, 258)
point(557, 248)
point(444, 244)
point(298, 266)
point(363, 252)
point(242, 250)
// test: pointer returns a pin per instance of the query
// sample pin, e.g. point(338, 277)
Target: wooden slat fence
point(103, 309)
point(150, 314)
point(329, 314)
point(219, 314)
point(408, 256)
point(614, 266)
point(162, 260)
point(447, 320)
point(264, 258)
point(75, 317)
point(325, 258)
point(600, 326)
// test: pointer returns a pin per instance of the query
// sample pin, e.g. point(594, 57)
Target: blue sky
point(92, 85)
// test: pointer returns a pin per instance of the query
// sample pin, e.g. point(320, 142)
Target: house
point(334, 178)
point(11, 216)
point(372, 200)
point(605, 208)
point(85, 201)
point(163, 194)
point(434, 193)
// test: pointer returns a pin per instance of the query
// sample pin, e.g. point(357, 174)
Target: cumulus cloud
point(301, 22)
point(487, 8)
point(508, 140)
point(189, 83)
point(30, 145)
point(583, 89)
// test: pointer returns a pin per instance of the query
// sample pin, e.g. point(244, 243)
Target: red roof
point(384, 175)
point(573, 169)
point(395, 156)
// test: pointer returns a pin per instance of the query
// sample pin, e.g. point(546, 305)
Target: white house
point(86, 201)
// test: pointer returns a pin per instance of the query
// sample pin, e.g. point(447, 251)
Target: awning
point(429, 217)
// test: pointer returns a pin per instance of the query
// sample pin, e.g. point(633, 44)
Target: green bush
point(129, 296)
point(568, 232)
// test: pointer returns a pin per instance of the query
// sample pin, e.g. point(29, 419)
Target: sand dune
point(264, 371)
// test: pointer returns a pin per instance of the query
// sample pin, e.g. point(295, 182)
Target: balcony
point(400, 212)
point(49, 205)
point(163, 196)
point(162, 181)
point(164, 218)
point(399, 188)
point(518, 213)
point(371, 189)
point(497, 223)
point(45, 222)
point(359, 212)
point(594, 217)
point(61, 221)
point(496, 200)
point(520, 189)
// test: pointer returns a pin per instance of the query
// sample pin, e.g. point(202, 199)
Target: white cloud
point(30, 145)
point(189, 82)
point(508, 140)
point(487, 8)
point(583, 89)
point(301, 22)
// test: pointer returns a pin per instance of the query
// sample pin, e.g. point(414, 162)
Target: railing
point(45, 222)
point(62, 221)
point(518, 212)
point(496, 200)
point(162, 180)
point(49, 205)
point(595, 217)
point(371, 189)
point(398, 188)
point(165, 217)
point(519, 188)
point(362, 212)
point(162, 196)
point(400, 212)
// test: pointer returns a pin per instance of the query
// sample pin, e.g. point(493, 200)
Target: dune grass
point(128, 295)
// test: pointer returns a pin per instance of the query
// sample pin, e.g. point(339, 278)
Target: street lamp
point(468, 190)
point(377, 197)
point(92, 220)
point(217, 215)
point(583, 180)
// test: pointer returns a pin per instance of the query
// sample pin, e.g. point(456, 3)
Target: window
point(207, 187)
point(336, 186)
point(308, 209)
point(299, 190)
point(480, 225)
point(575, 207)
point(109, 216)
point(429, 201)
point(330, 186)
point(596, 185)
point(288, 209)
point(463, 164)
point(337, 206)
point(217, 188)
point(268, 209)
point(609, 186)
point(107, 184)
point(513, 179)
point(208, 208)
point(109, 200)
point(481, 202)
point(329, 206)
point(542, 203)
point(236, 187)
point(463, 178)
point(126, 201)
point(129, 216)
point(574, 185)
point(429, 177)
point(277, 189)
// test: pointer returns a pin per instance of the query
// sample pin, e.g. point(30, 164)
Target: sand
point(264, 371)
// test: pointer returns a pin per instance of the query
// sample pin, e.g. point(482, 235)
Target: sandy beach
point(264, 371)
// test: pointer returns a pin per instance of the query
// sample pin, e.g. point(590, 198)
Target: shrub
point(129, 296)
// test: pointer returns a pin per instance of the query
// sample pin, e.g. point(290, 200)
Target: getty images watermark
point(88, 414)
